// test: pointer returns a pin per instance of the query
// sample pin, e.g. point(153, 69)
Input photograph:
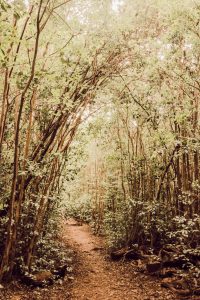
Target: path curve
point(97, 278)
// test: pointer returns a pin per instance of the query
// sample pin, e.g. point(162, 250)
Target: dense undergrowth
point(51, 72)
point(98, 118)
point(140, 184)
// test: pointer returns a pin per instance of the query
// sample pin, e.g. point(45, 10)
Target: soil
point(99, 278)
point(95, 276)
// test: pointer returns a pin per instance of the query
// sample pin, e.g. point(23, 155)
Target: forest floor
point(95, 275)
point(99, 278)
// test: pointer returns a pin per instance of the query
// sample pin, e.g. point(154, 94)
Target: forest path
point(98, 278)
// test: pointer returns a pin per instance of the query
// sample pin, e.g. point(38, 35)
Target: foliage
point(144, 167)
point(52, 67)
point(80, 209)
point(99, 113)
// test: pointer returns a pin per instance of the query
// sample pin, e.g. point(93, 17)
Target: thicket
point(51, 69)
point(130, 79)
point(142, 170)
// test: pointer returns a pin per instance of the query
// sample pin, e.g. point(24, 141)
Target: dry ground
point(98, 278)
point(95, 276)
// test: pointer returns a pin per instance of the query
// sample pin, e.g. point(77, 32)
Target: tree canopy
point(99, 119)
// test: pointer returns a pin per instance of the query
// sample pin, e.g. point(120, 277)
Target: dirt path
point(97, 278)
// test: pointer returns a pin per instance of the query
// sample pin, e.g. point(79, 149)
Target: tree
point(48, 81)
